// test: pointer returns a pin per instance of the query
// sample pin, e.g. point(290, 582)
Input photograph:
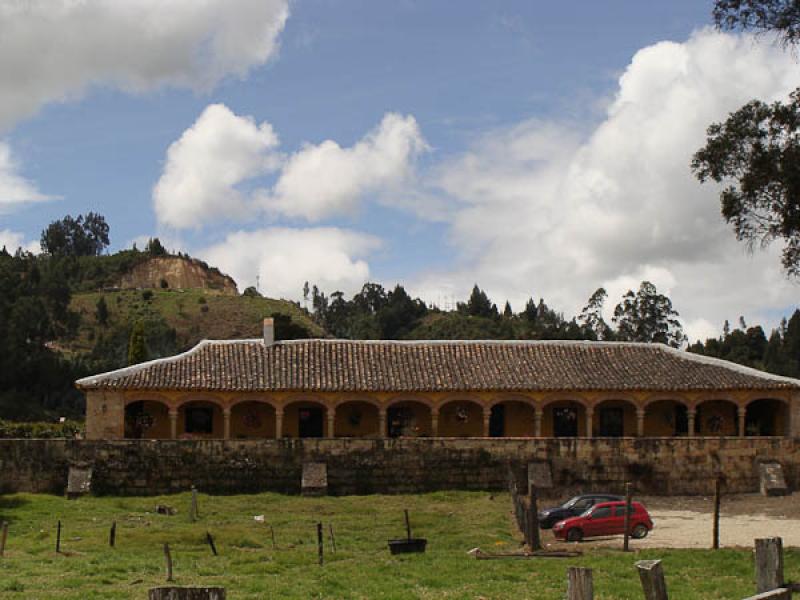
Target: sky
point(537, 149)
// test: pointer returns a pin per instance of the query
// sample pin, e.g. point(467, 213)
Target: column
point(589, 421)
point(742, 414)
point(173, 423)
point(278, 423)
point(226, 423)
point(435, 421)
point(382, 423)
point(537, 421)
point(487, 417)
point(691, 414)
point(331, 412)
point(640, 421)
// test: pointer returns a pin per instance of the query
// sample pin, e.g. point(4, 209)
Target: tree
point(755, 153)
point(591, 316)
point(507, 312)
point(82, 236)
point(647, 316)
point(102, 311)
point(137, 348)
point(155, 248)
point(478, 304)
point(781, 17)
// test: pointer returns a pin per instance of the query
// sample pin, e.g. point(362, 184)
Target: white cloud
point(541, 210)
point(204, 166)
point(11, 240)
point(55, 50)
point(285, 258)
point(212, 171)
point(325, 179)
point(15, 190)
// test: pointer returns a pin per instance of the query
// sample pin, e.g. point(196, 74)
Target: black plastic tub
point(406, 546)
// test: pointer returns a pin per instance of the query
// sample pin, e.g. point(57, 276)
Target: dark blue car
point(572, 508)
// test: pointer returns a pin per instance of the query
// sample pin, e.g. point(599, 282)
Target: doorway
point(497, 421)
point(612, 422)
point(310, 422)
point(565, 421)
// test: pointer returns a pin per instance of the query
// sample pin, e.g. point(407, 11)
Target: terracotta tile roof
point(370, 366)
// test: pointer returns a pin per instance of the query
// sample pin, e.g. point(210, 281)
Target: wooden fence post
point(193, 512)
point(112, 534)
point(652, 577)
point(320, 542)
point(715, 534)
point(769, 564)
point(579, 584)
point(168, 558)
point(627, 521)
point(533, 519)
point(58, 538)
point(3, 538)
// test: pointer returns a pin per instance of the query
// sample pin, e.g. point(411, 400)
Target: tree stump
point(186, 593)
point(769, 564)
point(579, 584)
point(652, 577)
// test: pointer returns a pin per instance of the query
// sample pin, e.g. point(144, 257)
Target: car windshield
point(571, 502)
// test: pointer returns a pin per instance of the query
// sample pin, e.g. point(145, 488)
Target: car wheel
point(574, 535)
point(639, 532)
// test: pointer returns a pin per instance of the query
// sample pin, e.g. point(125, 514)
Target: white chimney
point(269, 332)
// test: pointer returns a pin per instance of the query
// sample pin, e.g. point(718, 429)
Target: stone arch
point(564, 416)
point(512, 416)
point(409, 416)
point(147, 418)
point(252, 418)
point(305, 417)
point(357, 418)
point(614, 417)
point(148, 396)
point(666, 416)
point(200, 418)
point(461, 417)
point(418, 398)
point(717, 417)
point(768, 416)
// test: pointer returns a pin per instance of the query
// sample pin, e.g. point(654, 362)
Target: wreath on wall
point(355, 416)
point(252, 420)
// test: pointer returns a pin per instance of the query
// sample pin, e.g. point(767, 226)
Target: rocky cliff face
point(178, 273)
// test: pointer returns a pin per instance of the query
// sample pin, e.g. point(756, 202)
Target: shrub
point(41, 429)
point(147, 295)
point(201, 300)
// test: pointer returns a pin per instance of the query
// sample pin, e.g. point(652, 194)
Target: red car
point(605, 518)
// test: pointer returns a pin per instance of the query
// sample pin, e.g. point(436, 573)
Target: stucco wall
point(655, 465)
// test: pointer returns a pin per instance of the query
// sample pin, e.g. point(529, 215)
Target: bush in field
point(67, 429)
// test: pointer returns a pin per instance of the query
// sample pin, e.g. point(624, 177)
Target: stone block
point(79, 481)
point(314, 481)
point(773, 483)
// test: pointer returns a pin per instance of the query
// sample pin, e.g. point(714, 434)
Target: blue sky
point(521, 128)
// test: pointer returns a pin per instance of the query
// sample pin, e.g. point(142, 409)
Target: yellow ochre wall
point(252, 419)
point(365, 413)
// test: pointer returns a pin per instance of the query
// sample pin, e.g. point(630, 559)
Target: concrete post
point(537, 421)
point(278, 424)
point(173, 423)
point(226, 423)
point(640, 412)
point(589, 421)
point(691, 414)
point(742, 416)
point(487, 417)
point(331, 411)
point(382, 433)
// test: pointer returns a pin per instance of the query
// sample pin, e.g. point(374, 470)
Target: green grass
point(249, 567)
point(224, 316)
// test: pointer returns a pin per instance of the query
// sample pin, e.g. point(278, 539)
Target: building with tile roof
point(341, 388)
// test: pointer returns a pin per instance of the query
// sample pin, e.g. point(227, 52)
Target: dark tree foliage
point(101, 312)
point(780, 354)
point(478, 305)
point(137, 348)
point(82, 236)
point(591, 316)
point(155, 248)
point(781, 17)
point(647, 316)
point(755, 153)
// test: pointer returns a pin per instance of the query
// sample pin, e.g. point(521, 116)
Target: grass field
point(249, 567)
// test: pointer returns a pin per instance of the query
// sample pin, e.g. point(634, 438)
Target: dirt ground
point(686, 522)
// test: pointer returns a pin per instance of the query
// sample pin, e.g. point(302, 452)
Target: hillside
point(177, 272)
point(194, 314)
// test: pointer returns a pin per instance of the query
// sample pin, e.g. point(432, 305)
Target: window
point(602, 513)
point(583, 505)
point(199, 419)
point(619, 511)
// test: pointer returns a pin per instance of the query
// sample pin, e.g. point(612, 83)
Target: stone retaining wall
point(363, 466)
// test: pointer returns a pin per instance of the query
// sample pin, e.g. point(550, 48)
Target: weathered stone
point(315, 479)
point(773, 483)
point(79, 481)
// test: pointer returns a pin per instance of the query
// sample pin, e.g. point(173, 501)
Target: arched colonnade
point(230, 416)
